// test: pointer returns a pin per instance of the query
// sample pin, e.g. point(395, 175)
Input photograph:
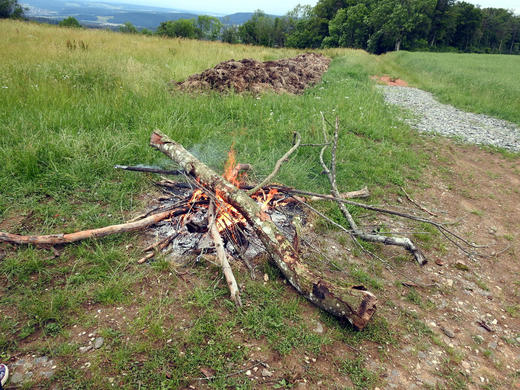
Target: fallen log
point(352, 303)
point(67, 238)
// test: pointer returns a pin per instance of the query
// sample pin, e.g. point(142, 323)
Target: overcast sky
point(275, 7)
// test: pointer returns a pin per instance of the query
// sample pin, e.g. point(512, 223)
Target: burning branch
point(221, 255)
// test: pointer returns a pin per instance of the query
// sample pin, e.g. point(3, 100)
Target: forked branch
point(357, 232)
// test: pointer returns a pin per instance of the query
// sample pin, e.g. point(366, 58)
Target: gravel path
point(443, 119)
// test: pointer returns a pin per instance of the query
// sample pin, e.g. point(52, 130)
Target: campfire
point(223, 216)
point(186, 232)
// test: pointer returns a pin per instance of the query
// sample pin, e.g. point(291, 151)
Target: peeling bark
point(67, 238)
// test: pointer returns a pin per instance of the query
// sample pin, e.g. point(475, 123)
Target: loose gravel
point(446, 120)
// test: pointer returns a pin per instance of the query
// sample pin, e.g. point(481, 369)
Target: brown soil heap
point(291, 75)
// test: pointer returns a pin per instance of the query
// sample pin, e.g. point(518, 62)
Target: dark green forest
point(377, 26)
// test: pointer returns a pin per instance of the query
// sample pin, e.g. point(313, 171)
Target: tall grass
point(75, 102)
point(479, 83)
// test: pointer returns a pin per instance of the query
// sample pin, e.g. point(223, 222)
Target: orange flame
point(230, 173)
point(227, 217)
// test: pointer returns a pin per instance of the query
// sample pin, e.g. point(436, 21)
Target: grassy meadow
point(480, 83)
point(73, 103)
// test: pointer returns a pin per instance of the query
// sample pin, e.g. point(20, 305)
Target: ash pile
point(184, 236)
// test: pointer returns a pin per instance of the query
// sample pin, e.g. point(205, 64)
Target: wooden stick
point(278, 164)
point(404, 242)
point(362, 193)
point(221, 255)
point(353, 303)
point(59, 239)
point(417, 204)
point(148, 169)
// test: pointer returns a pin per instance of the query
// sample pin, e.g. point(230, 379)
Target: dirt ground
point(480, 191)
point(390, 81)
point(291, 75)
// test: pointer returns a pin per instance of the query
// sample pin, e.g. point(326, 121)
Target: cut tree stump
point(352, 303)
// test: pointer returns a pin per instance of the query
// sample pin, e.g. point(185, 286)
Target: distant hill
point(103, 15)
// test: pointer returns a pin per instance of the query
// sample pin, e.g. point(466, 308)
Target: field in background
point(480, 83)
point(73, 103)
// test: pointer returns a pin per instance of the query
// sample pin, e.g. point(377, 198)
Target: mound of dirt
point(291, 75)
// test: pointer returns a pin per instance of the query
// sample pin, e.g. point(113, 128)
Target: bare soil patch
point(392, 81)
point(290, 75)
point(457, 294)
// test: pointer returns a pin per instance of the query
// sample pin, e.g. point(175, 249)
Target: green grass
point(69, 115)
point(479, 83)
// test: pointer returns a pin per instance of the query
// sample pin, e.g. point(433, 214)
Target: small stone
point(85, 349)
point(16, 378)
point(318, 328)
point(465, 365)
point(449, 282)
point(492, 345)
point(99, 342)
point(266, 372)
point(266, 278)
point(41, 360)
point(248, 372)
point(47, 374)
point(448, 332)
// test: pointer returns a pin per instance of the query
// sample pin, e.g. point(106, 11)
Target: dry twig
point(331, 174)
point(296, 144)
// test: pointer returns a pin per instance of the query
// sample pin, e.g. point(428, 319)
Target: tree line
point(377, 26)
